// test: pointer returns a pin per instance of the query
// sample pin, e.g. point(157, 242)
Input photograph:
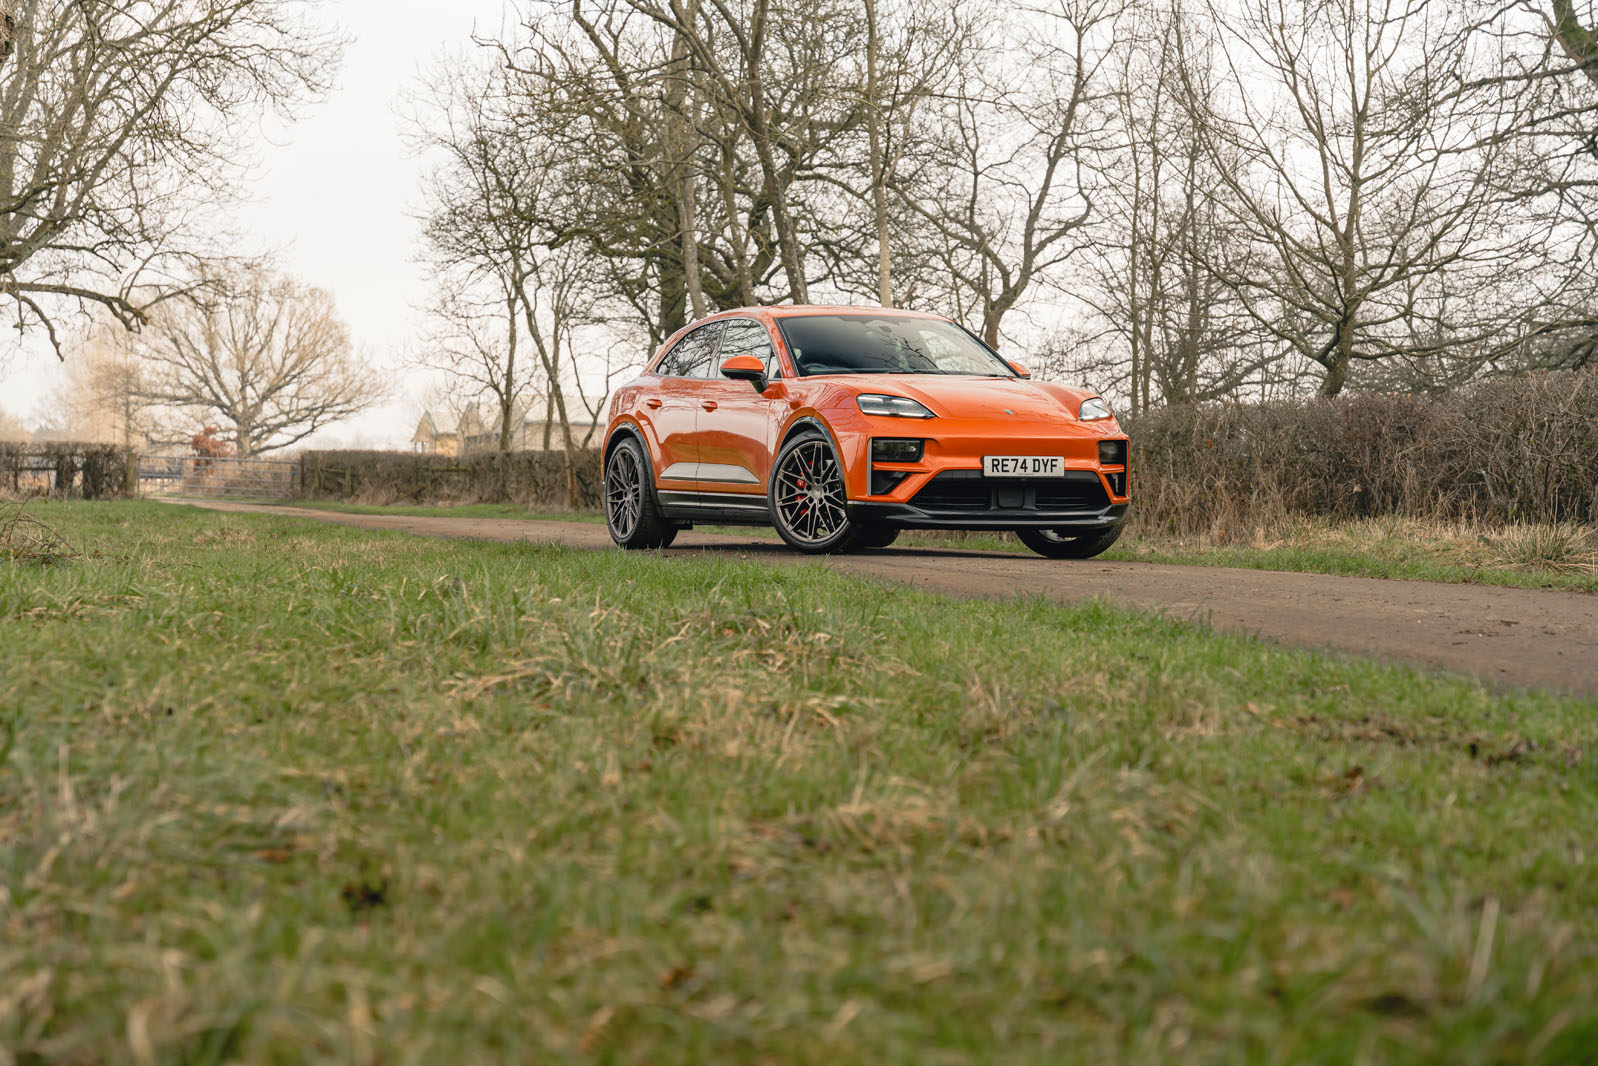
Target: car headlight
point(896, 406)
point(1094, 410)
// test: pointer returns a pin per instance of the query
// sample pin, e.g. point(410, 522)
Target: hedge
point(531, 479)
point(1510, 450)
point(65, 468)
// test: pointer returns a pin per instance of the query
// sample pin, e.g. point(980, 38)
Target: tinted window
point(886, 344)
point(746, 337)
point(691, 358)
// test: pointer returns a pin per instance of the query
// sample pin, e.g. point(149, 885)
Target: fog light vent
point(885, 481)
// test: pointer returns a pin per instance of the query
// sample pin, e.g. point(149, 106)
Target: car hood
point(972, 397)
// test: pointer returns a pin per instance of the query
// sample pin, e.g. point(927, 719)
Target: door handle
point(652, 403)
point(709, 405)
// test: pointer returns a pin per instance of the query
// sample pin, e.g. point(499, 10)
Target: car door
point(737, 426)
point(672, 404)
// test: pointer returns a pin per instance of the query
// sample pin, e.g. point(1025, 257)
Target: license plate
point(1023, 466)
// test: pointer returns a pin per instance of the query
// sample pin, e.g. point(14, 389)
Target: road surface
point(1507, 637)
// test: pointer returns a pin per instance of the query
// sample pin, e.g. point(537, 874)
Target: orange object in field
point(841, 426)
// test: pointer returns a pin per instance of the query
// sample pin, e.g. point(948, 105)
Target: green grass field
point(1516, 557)
point(275, 792)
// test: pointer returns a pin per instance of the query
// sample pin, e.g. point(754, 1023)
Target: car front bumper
point(946, 488)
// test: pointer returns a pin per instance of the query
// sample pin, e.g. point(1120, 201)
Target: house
point(471, 434)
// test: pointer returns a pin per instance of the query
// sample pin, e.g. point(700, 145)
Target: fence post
point(130, 476)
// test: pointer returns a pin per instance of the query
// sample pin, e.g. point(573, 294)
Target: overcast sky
point(335, 195)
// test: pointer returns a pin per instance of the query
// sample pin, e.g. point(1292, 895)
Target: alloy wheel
point(809, 494)
point(624, 493)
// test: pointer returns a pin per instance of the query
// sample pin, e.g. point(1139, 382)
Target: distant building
point(471, 435)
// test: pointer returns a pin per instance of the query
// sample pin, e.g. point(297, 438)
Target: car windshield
point(886, 344)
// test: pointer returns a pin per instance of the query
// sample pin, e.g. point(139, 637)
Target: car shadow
point(724, 544)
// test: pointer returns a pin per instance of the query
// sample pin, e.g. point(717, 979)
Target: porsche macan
point(842, 426)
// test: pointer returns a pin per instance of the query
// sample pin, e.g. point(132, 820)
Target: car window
point(693, 355)
point(886, 343)
point(747, 337)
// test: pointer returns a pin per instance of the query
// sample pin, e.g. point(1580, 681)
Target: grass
point(276, 791)
point(1527, 556)
point(457, 510)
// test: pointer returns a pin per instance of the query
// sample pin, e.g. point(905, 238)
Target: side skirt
point(727, 508)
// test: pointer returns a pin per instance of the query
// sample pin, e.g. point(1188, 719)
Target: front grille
point(1072, 495)
point(955, 490)
point(968, 491)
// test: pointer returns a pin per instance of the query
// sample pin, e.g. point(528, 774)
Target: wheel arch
point(631, 431)
point(808, 423)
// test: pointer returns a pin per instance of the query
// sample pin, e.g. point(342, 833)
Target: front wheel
point(1058, 545)
point(808, 505)
point(631, 513)
point(877, 536)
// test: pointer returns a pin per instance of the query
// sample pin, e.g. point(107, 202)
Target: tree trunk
point(507, 395)
point(879, 177)
point(8, 29)
point(681, 138)
point(1579, 42)
point(673, 294)
point(760, 128)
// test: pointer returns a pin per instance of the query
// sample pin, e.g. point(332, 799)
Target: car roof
point(797, 310)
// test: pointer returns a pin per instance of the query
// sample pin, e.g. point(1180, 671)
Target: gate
point(173, 476)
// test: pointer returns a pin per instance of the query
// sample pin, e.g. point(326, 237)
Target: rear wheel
point(1059, 545)
point(808, 505)
point(631, 513)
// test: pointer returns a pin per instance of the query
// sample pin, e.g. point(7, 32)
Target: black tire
point(807, 500)
point(1056, 545)
point(631, 512)
point(877, 536)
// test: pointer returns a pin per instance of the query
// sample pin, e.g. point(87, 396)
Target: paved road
point(1517, 637)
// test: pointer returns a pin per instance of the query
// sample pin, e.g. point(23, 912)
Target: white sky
point(336, 196)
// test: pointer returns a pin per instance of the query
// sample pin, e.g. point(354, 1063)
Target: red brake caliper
point(804, 484)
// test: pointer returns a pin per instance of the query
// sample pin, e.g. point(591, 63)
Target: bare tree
point(1374, 153)
point(476, 345)
point(103, 397)
point(489, 198)
point(262, 353)
point(1164, 247)
point(122, 125)
point(1005, 186)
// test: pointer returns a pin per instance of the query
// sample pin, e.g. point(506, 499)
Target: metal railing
point(217, 478)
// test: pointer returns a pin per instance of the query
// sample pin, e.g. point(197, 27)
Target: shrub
point(54, 468)
point(1512, 450)
point(531, 479)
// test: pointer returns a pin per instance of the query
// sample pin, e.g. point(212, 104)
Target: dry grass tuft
point(24, 538)
point(1562, 547)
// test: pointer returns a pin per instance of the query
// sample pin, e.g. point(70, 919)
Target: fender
point(627, 425)
point(807, 418)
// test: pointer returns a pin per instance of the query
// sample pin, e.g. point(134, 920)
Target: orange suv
point(841, 426)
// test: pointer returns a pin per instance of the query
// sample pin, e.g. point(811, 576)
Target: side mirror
point(1020, 370)
point(746, 368)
